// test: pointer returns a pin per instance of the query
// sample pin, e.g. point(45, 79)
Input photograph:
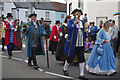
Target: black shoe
point(83, 78)
point(9, 57)
point(65, 73)
point(3, 50)
point(29, 64)
point(36, 67)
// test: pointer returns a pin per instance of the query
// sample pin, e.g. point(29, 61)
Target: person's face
point(87, 39)
point(109, 24)
point(68, 19)
point(33, 18)
point(9, 18)
point(77, 13)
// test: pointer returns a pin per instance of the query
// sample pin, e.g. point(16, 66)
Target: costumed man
point(34, 43)
point(10, 34)
point(54, 37)
point(74, 44)
point(3, 33)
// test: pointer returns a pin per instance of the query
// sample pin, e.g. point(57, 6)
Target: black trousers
point(33, 57)
point(3, 43)
point(79, 51)
point(93, 37)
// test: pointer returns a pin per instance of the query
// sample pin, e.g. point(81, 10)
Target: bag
point(100, 50)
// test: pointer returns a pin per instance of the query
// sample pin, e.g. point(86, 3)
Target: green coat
point(28, 44)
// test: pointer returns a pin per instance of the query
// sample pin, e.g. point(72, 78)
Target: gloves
point(12, 28)
point(54, 37)
point(66, 35)
point(15, 30)
point(61, 34)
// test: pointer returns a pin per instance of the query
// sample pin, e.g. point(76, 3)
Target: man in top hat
point(34, 43)
point(10, 34)
point(54, 37)
point(74, 43)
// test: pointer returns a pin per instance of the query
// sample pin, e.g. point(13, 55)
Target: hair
point(67, 17)
point(42, 18)
point(93, 23)
point(113, 21)
point(105, 24)
point(85, 14)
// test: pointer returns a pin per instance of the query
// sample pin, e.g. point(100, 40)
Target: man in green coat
point(34, 43)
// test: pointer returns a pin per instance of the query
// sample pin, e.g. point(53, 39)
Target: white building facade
point(23, 13)
point(96, 9)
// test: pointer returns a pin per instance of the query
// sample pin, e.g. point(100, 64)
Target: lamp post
point(18, 13)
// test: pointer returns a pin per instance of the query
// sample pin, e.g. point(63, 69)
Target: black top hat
point(9, 15)
point(57, 22)
point(32, 15)
point(3, 17)
point(77, 10)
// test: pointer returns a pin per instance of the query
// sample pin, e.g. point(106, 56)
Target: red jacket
point(7, 33)
point(54, 32)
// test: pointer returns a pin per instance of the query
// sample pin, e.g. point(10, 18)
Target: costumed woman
point(18, 35)
point(101, 60)
point(60, 48)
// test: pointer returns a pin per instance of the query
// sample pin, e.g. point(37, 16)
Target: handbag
point(100, 50)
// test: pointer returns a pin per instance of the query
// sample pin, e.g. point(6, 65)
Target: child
point(87, 45)
point(91, 45)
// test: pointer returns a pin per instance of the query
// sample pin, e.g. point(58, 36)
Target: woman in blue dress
point(101, 60)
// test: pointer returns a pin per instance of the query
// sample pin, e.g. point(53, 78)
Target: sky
point(62, 1)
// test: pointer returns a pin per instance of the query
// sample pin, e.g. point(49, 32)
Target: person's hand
point(76, 21)
point(0, 37)
point(112, 38)
point(104, 41)
point(12, 28)
point(54, 37)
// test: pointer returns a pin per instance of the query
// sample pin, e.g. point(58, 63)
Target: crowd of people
point(68, 41)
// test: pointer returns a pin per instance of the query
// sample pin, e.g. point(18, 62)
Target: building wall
point(41, 14)
point(101, 9)
point(8, 8)
point(97, 10)
point(58, 16)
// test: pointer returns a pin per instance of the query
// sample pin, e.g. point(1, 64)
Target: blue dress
point(105, 63)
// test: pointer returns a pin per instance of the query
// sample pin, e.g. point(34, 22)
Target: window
point(26, 13)
point(70, 8)
point(79, 4)
point(62, 16)
point(47, 15)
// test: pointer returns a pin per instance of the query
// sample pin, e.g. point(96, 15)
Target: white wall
point(101, 9)
point(22, 14)
point(8, 8)
point(41, 14)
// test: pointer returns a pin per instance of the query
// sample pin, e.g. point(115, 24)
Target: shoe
point(3, 50)
point(113, 74)
point(83, 77)
point(9, 57)
point(36, 67)
point(65, 73)
point(29, 64)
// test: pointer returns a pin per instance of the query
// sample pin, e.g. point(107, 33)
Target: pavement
point(17, 68)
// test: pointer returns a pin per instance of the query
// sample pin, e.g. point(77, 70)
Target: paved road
point(17, 68)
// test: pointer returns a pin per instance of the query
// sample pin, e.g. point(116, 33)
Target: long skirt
point(60, 48)
point(101, 64)
point(52, 45)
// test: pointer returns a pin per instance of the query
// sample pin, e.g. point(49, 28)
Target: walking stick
point(47, 53)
